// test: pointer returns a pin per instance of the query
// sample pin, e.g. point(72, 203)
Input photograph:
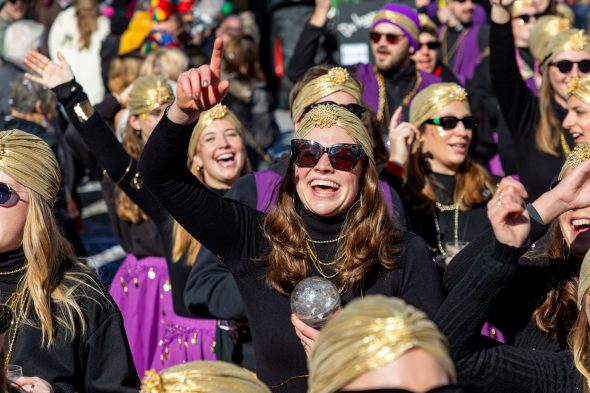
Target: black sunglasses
point(449, 123)
point(391, 38)
point(8, 197)
point(432, 45)
point(342, 156)
point(526, 18)
point(565, 66)
point(355, 109)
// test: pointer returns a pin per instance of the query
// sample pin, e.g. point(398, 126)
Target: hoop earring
point(137, 133)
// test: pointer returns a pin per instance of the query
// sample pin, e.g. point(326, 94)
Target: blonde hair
point(123, 71)
point(579, 338)
point(370, 333)
point(168, 63)
point(203, 377)
point(53, 287)
point(183, 244)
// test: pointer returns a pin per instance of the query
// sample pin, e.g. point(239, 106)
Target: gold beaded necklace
point(446, 208)
point(13, 333)
point(383, 108)
point(325, 241)
point(12, 272)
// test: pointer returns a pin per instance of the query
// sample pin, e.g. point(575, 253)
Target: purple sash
point(468, 55)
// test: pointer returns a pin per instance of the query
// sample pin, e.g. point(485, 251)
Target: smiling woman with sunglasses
point(535, 123)
point(60, 323)
point(444, 190)
point(330, 220)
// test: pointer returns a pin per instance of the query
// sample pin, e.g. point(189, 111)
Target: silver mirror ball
point(314, 300)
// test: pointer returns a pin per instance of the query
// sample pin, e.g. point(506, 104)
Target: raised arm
point(96, 134)
point(225, 227)
point(518, 104)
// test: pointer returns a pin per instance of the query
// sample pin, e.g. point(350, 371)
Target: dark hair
point(241, 57)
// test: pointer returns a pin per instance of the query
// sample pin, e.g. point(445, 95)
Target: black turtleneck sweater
point(233, 232)
point(98, 360)
point(522, 112)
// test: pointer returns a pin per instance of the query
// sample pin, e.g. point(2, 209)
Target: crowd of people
point(442, 187)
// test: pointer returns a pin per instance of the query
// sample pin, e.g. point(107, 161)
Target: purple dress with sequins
point(157, 336)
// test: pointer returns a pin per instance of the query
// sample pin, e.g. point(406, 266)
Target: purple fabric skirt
point(157, 336)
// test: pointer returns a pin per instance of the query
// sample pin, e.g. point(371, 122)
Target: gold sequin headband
point(573, 39)
point(219, 111)
point(433, 99)
point(335, 80)
point(580, 154)
point(152, 383)
point(148, 93)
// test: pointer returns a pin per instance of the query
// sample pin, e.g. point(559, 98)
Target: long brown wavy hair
point(87, 14)
point(580, 346)
point(556, 314)
point(361, 253)
point(127, 209)
point(549, 129)
point(421, 187)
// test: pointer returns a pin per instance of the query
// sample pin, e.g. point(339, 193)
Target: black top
point(233, 232)
point(486, 364)
point(97, 361)
point(521, 111)
point(150, 235)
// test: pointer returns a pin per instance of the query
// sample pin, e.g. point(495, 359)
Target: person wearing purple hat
point(462, 40)
point(393, 79)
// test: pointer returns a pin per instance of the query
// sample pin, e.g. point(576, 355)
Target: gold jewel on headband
point(324, 116)
point(398, 19)
point(219, 111)
point(338, 75)
point(152, 383)
point(580, 154)
point(578, 41)
point(457, 93)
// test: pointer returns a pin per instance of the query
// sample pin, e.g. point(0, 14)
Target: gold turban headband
point(519, 5)
point(329, 115)
point(572, 39)
point(31, 162)
point(546, 27)
point(202, 377)
point(580, 88)
point(580, 154)
point(433, 99)
point(368, 334)
point(218, 112)
point(148, 93)
point(584, 280)
point(337, 79)
point(426, 23)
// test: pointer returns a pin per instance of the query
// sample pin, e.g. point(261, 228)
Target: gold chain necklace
point(19, 319)
point(318, 264)
point(325, 241)
point(382, 108)
point(446, 208)
point(10, 273)
point(447, 55)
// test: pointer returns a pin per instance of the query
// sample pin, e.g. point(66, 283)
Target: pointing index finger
point(216, 57)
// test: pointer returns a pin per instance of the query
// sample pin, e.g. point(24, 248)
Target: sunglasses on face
point(355, 109)
point(8, 197)
point(432, 45)
point(565, 66)
point(342, 156)
point(391, 38)
point(449, 123)
point(526, 18)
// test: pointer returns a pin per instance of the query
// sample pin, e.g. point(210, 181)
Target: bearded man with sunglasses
point(393, 80)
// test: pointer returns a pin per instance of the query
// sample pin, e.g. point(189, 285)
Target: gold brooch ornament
point(338, 75)
point(152, 383)
point(578, 41)
point(219, 111)
point(580, 154)
point(457, 93)
point(324, 116)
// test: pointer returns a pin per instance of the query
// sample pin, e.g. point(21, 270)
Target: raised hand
point(502, 3)
point(306, 334)
point(199, 89)
point(508, 214)
point(401, 138)
point(48, 73)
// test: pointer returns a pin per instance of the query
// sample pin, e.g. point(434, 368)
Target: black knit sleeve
point(108, 152)
point(227, 228)
point(495, 368)
point(519, 105)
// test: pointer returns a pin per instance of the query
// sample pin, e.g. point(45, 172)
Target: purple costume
point(467, 55)
point(157, 336)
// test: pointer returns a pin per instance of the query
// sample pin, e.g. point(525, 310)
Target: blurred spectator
point(166, 62)
point(248, 97)
point(78, 32)
point(123, 71)
point(229, 28)
point(20, 37)
point(10, 11)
